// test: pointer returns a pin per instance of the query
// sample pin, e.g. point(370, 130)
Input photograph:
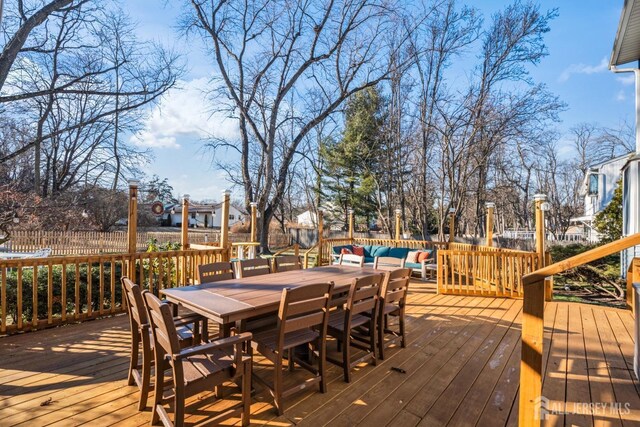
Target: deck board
point(462, 362)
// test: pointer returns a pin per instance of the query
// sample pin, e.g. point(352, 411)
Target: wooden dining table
point(229, 301)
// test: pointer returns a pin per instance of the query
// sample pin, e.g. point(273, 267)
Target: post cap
point(185, 197)
point(253, 204)
point(452, 211)
point(134, 183)
point(489, 205)
point(226, 192)
point(539, 197)
point(398, 211)
point(350, 211)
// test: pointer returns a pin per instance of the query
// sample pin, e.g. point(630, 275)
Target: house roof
point(626, 47)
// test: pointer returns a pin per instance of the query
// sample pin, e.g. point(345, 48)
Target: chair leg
point(146, 374)
point(178, 418)
point(403, 340)
point(158, 392)
point(277, 386)
point(381, 337)
point(292, 355)
point(246, 394)
point(322, 364)
point(372, 338)
point(133, 362)
point(346, 358)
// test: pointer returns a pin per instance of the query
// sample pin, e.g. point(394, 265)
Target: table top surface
point(237, 299)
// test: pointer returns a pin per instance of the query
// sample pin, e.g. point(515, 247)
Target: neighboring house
point(206, 215)
point(597, 189)
point(307, 219)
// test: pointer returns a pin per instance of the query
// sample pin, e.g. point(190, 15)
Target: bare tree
point(290, 64)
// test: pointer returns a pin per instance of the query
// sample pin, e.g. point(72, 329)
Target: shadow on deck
point(461, 363)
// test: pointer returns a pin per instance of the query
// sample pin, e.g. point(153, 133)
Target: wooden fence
point(37, 293)
point(484, 271)
point(93, 242)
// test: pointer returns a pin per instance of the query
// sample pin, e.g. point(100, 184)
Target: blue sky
point(579, 44)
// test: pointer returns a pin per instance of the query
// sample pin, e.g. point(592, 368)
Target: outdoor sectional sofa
point(373, 251)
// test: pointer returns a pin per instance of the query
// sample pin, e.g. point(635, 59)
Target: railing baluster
point(34, 293)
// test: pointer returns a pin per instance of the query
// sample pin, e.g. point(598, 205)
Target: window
point(193, 215)
point(232, 217)
point(593, 184)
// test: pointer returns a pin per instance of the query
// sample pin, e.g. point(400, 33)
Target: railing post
point(350, 212)
point(320, 238)
point(531, 356)
point(224, 224)
point(132, 221)
point(452, 224)
point(398, 217)
point(184, 235)
point(490, 208)
point(254, 219)
point(541, 205)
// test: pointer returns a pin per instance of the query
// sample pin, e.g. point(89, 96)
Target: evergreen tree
point(608, 221)
point(350, 162)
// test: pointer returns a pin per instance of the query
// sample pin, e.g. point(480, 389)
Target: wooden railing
point(533, 323)
point(307, 255)
point(94, 242)
point(486, 271)
point(37, 293)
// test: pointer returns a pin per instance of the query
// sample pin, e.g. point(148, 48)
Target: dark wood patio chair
point(344, 324)
point(252, 267)
point(351, 260)
point(215, 272)
point(302, 321)
point(286, 263)
point(393, 297)
point(195, 369)
point(188, 328)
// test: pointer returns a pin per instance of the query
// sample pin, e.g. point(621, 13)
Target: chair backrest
point(351, 259)
point(215, 272)
point(135, 303)
point(388, 261)
point(302, 308)
point(163, 328)
point(286, 263)
point(363, 294)
point(395, 287)
point(253, 267)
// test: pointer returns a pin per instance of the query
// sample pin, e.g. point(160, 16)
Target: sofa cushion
point(358, 250)
point(424, 255)
point(368, 250)
point(338, 249)
point(368, 260)
point(413, 265)
point(398, 252)
point(412, 256)
point(378, 251)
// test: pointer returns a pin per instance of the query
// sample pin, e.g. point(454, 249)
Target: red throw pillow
point(358, 250)
point(424, 256)
point(345, 251)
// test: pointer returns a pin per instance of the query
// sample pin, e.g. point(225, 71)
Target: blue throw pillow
point(378, 251)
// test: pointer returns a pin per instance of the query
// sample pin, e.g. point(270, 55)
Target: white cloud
point(620, 96)
point(184, 112)
point(627, 79)
point(583, 69)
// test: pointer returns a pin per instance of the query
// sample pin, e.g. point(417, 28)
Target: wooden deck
point(462, 368)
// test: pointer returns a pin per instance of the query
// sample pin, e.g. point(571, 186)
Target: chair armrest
point(214, 345)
